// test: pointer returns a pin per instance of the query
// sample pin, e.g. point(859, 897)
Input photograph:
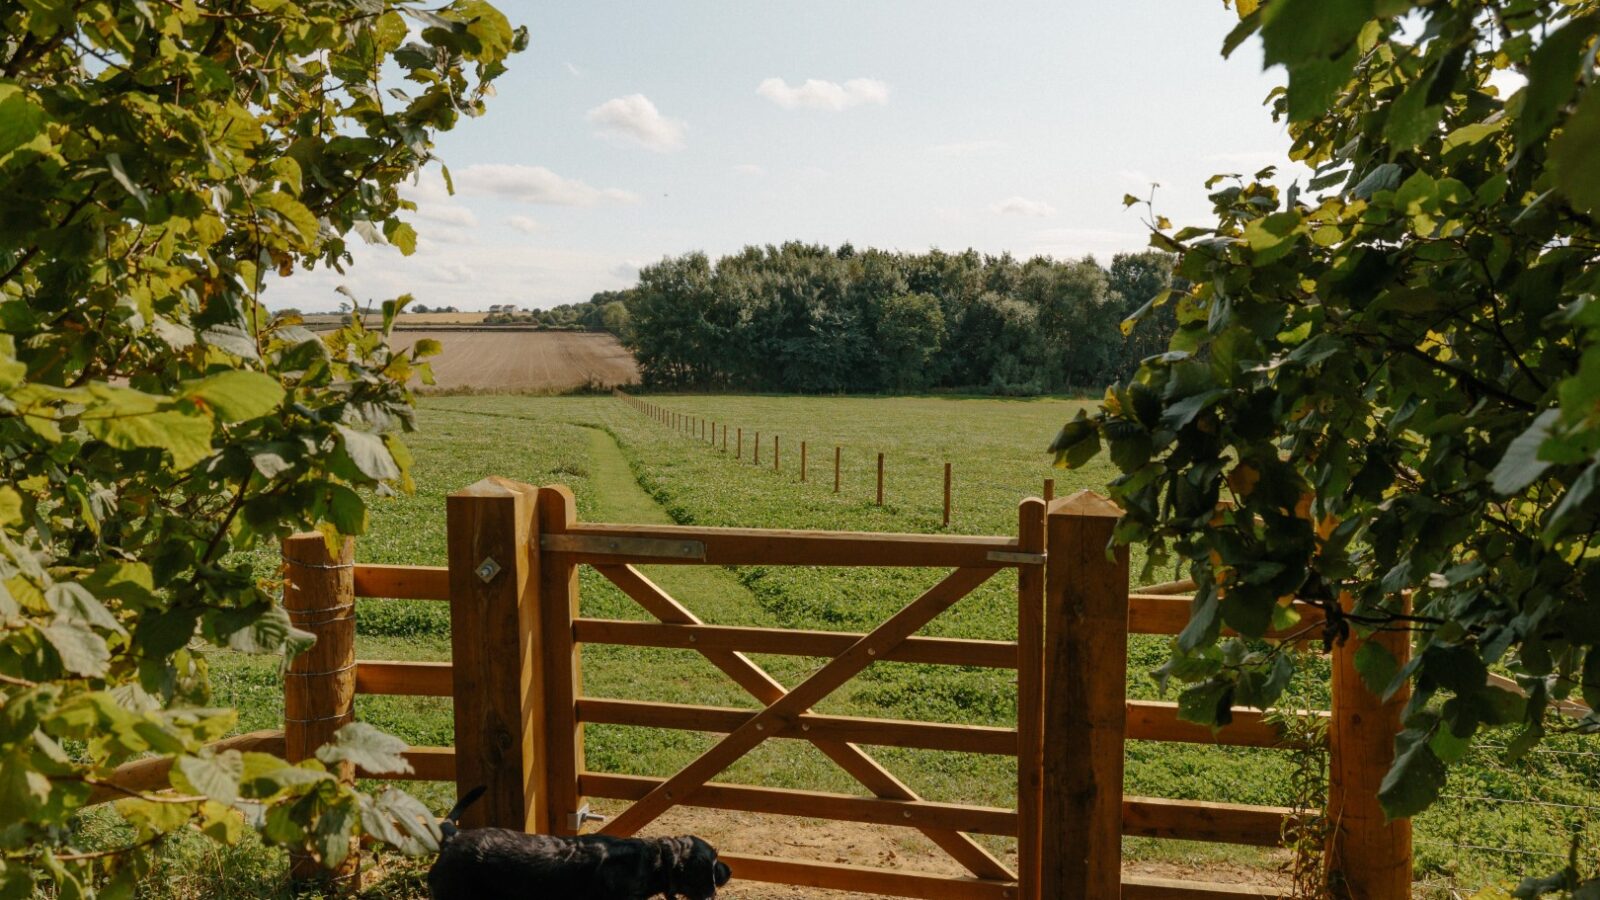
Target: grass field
point(624, 467)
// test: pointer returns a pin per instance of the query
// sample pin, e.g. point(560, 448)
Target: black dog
point(495, 863)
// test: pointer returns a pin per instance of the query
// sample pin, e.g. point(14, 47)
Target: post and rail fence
point(512, 586)
point(706, 430)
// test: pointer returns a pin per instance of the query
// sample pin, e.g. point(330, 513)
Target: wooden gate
point(561, 544)
point(514, 553)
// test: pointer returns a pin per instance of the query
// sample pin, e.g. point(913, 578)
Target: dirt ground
point(525, 360)
point(867, 845)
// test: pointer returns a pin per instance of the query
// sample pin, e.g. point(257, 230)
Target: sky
point(630, 131)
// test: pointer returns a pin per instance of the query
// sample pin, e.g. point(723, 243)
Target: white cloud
point(535, 184)
point(636, 119)
point(969, 148)
point(749, 169)
point(516, 271)
point(574, 70)
point(818, 94)
point(447, 214)
point(1022, 206)
point(524, 224)
point(1136, 176)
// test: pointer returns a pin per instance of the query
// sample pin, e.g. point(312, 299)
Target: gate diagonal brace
point(855, 761)
point(784, 705)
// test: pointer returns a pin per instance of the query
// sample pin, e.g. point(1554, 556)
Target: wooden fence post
point(802, 462)
point(836, 452)
point(1369, 856)
point(724, 437)
point(494, 647)
point(563, 680)
point(738, 447)
point(880, 479)
point(947, 495)
point(1030, 697)
point(1049, 489)
point(758, 449)
point(774, 453)
point(319, 690)
point(1085, 700)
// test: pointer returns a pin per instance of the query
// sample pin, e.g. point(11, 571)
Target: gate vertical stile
point(1085, 711)
point(1030, 696)
point(489, 532)
point(558, 607)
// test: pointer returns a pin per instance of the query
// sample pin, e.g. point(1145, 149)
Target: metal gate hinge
point(576, 820)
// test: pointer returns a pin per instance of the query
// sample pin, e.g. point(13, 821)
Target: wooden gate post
point(1030, 697)
point(880, 479)
point(494, 646)
point(1085, 700)
point(1369, 856)
point(319, 689)
point(557, 609)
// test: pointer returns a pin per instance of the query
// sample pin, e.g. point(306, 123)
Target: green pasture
point(624, 467)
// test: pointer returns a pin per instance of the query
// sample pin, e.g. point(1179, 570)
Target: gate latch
point(575, 821)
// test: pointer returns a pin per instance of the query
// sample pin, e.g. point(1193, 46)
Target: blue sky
point(630, 131)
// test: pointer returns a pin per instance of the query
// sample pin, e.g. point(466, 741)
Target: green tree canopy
point(1391, 374)
point(158, 162)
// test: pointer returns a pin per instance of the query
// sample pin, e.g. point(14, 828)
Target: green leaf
point(214, 775)
point(401, 235)
point(1377, 668)
point(1521, 465)
point(237, 395)
point(21, 120)
point(1414, 780)
point(1573, 159)
point(1295, 31)
point(151, 817)
point(369, 454)
point(1552, 77)
point(23, 789)
point(334, 831)
point(1574, 505)
point(367, 748)
point(1270, 237)
point(186, 436)
point(1383, 177)
point(10, 505)
point(82, 651)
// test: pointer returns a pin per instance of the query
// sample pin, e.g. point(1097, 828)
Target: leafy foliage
point(158, 162)
point(800, 317)
point(1385, 389)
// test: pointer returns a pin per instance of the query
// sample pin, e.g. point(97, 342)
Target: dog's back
point(493, 863)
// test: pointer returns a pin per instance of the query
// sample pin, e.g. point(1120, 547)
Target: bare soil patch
point(525, 360)
point(878, 847)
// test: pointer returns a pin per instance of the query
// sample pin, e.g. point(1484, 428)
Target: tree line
point(806, 318)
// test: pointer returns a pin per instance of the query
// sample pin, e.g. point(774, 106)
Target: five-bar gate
point(520, 708)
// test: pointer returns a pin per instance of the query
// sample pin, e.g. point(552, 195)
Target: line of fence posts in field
point(517, 732)
point(706, 429)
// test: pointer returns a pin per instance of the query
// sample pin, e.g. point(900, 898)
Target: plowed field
point(525, 360)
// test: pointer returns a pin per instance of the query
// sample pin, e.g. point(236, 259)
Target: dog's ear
point(696, 872)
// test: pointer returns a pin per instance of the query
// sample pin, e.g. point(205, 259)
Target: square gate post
point(493, 644)
point(1085, 700)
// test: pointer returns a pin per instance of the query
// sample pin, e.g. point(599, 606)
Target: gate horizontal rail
point(791, 642)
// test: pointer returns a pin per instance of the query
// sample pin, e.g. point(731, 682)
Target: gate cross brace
point(783, 706)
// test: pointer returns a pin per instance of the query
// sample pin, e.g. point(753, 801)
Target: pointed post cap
point(1085, 503)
